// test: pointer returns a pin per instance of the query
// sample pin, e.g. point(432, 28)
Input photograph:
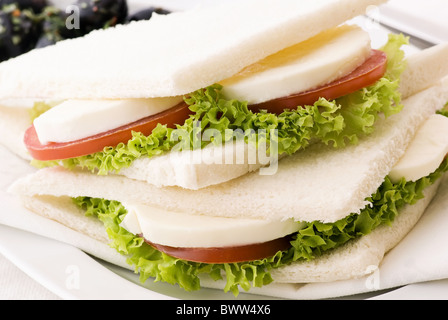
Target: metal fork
point(415, 40)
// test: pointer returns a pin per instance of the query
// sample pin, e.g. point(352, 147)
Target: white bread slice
point(198, 168)
point(172, 54)
point(13, 124)
point(424, 69)
point(444, 82)
point(62, 210)
point(320, 183)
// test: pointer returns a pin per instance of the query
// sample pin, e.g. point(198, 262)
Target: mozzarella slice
point(307, 65)
point(183, 230)
point(72, 120)
point(425, 153)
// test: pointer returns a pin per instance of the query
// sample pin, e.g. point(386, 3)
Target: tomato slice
point(227, 254)
point(365, 75)
point(96, 143)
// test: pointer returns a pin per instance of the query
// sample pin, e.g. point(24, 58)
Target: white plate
point(72, 274)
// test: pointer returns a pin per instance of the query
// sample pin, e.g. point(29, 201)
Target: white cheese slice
point(184, 230)
point(72, 120)
point(307, 65)
point(425, 153)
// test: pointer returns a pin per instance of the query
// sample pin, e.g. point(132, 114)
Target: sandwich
point(341, 94)
point(346, 164)
point(371, 211)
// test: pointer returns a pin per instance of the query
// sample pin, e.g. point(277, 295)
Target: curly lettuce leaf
point(338, 122)
point(39, 108)
point(444, 110)
point(313, 240)
point(316, 238)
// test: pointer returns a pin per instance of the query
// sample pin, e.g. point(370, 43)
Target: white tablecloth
point(17, 285)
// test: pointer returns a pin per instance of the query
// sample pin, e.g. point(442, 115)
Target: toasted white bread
point(174, 54)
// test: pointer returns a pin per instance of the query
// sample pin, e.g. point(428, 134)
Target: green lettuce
point(338, 123)
point(38, 109)
point(313, 240)
point(444, 110)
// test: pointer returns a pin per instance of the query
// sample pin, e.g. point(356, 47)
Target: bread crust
point(174, 54)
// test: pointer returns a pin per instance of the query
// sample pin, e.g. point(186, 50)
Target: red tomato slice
point(96, 143)
point(227, 254)
point(365, 75)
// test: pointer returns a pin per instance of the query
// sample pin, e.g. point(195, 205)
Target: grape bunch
point(30, 24)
